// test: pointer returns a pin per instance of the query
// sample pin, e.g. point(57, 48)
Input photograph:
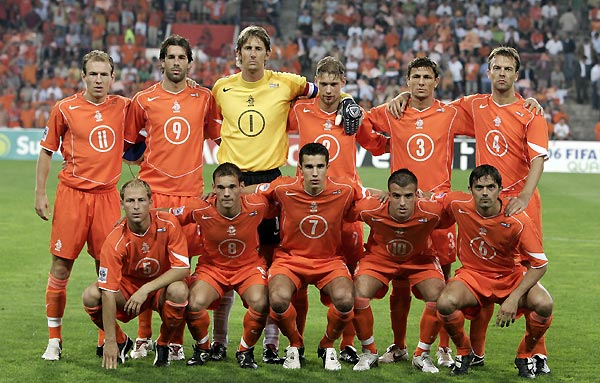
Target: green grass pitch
point(571, 227)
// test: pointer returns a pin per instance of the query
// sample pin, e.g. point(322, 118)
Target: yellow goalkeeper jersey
point(254, 117)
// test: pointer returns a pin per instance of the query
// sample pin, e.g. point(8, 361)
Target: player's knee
point(91, 296)
point(177, 292)
point(446, 304)
point(61, 268)
point(260, 305)
point(543, 305)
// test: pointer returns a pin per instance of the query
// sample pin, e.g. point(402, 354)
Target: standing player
point(142, 265)
point(511, 134)
point(422, 141)
point(229, 225)
point(176, 119)
point(514, 141)
point(314, 119)
point(490, 244)
point(88, 129)
point(399, 248)
point(312, 210)
point(254, 106)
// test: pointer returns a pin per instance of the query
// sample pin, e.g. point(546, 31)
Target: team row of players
point(251, 110)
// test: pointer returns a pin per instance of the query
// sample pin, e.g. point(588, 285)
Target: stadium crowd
point(42, 42)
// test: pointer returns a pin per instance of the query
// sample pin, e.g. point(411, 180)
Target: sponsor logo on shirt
point(73, 107)
point(225, 90)
point(150, 99)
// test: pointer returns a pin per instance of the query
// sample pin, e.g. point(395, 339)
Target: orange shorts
point(80, 217)
point(416, 269)
point(224, 280)
point(128, 288)
point(353, 248)
point(444, 243)
point(191, 231)
point(305, 271)
point(487, 288)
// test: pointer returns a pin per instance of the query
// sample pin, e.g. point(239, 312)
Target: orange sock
point(348, 336)
point(478, 329)
point(254, 323)
point(172, 315)
point(429, 327)
point(145, 324)
point(399, 308)
point(56, 301)
point(444, 338)
point(95, 314)
point(535, 328)
point(300, 302)
point(454, 325)
point(286, 321)
point(336, 322)
point(363, 323)
point(198, 322)
point(177, 336)
point(540, 347)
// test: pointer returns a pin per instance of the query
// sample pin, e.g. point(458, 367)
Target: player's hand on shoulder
point(350, 114)
point(533, 106)
point(381, 195)
point(397, 105)
point(515, 205)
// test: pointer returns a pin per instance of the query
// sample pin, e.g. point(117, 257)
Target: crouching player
point(229, 223)
point(142, 265)
point(399, 248)
point(489, 243)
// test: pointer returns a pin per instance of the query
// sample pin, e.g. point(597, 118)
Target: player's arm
point(109, 318)
point(518, 204)
point(397, 105)
point(508, 309)
point(42, 170)
point(137, 299)
point(368, 138)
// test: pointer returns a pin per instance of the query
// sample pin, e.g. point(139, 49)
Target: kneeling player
point(489, 243)
point(142, 265)
point(399, 248)
point(229, 223)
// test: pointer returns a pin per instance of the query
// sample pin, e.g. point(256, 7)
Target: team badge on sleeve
point(45, 134)
point(102, 274)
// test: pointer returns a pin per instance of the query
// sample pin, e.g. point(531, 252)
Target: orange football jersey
point(230, 243)
point(142, 258)
point(175, 125)
point(400, 240)
point(490, 244)
point(315, 125)
point(508, 137)
point(90, 138)
point(422, 141)
point(311, 226)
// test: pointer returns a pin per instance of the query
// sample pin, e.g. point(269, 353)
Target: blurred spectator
point(568, 22)
point(456, 71)
point(597, 130)
point(562, 131)
point(471, 76)
point(557, 77)
point(581, 79)
point(3, 116)
point(595, 82)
